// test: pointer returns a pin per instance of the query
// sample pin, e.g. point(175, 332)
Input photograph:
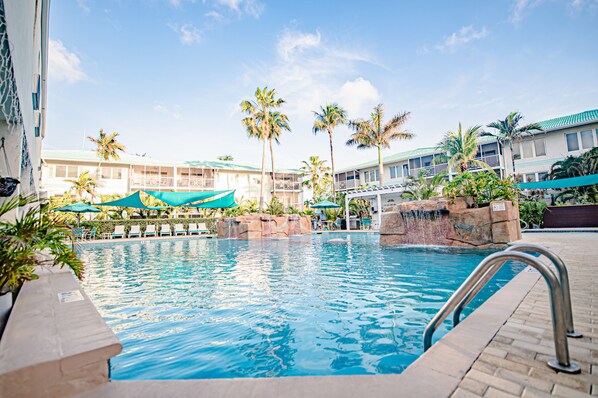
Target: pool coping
point(436, 373)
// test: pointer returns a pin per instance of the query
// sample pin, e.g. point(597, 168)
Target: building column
point(379, 203)
point(347, 213)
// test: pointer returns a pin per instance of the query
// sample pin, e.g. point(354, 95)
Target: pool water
point(211, 308)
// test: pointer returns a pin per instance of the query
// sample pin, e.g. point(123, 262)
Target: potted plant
point(28, 240)
point(8, 185)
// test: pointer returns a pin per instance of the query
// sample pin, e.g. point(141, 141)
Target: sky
point(169, 75)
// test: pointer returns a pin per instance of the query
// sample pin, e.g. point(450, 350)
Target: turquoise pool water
point(302, 306)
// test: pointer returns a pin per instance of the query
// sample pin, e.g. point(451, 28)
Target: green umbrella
point(79, 208)
point(325, 204)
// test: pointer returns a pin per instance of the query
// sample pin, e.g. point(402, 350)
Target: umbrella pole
point(78, 220)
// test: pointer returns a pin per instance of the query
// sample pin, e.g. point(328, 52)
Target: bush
point(108, 225)
point(532, 213)
point(484, 187)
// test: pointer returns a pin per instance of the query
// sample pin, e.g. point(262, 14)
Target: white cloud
point(64, 65)
point(292, 41)
point(358, 96)
point(178, 3)
point(253, 8)
point(174, 112)
point(215, 15)
point(84, 5)
point(188, 33)
point(465, 35)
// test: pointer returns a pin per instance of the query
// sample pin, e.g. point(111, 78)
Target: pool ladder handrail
point(497, 260)
point(563, 275)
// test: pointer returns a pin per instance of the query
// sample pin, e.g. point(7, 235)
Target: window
point(528, 151)
point(73, 172)
point(405, 170)
point(572, 143)
point(427, 161)
point(371, 176)
point(117, 174)
point(529, 177)
point(414, 163)
point(540, 147)
point(396, 172)
point(587, 140)
point(516, 151)
point(542, 176)
point(60, 171)
point(106, 173)
point(489, 149)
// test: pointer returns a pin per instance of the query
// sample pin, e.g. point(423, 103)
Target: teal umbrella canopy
point(78, 208)
point(325, 204)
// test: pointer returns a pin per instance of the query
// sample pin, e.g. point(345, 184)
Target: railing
point(493, 263)
point(152, 181)
point(186, 182)
point(432, 170)
point(349, 184)
point(287, 186)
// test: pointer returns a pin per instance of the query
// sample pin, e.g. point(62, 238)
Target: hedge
point(104, 226)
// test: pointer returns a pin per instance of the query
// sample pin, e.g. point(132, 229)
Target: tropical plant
point(107, 147)
point(329, 117)
point(319, 178)
point(461, 148)
point(24, 237)
point(280, 123)
point(275, 207)
point(532, 212)
point(509, 132)
point(483, 187)
point(226, 158)
point(422, 188)
point(84, 184)
point(576, 166)
point(258, 124)
point(373, 133)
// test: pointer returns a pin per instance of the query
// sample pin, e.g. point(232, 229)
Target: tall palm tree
point(107, 147)
point(373, 133)
point(319, 178)
point(258, 123)
point(509, 132)
point(327, 119)
point(280, 123)
point(461, 148)
point(85, 183)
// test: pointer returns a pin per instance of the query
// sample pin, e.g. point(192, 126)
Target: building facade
point(133, 173)
point(23, 72)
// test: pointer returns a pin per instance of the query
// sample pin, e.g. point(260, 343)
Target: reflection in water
point(301, 306)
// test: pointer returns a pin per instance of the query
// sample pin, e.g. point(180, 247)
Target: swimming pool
point(208, 308)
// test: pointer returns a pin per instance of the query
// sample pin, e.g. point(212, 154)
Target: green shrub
point(483, 186)
point(108, 225)
point(532, 213)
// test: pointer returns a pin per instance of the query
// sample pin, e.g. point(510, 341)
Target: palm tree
point(319, 176)
point(509, 132)
point(461, 148)
point(226, 158)
point(280, 123)
point(258, 123)
point(85, 183)
point(422, 188)
point(373, 133)
point(327, 119)
point(107, 147)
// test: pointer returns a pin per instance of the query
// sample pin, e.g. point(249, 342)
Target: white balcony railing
point(429, 171)
point(348, 184)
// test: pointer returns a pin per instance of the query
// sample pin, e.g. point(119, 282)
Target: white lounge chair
point(193, 229)
point(150, 230)
point(165, 230)
point(119, 232)
point(135, 231)
point(179, 230)
point(201, 228)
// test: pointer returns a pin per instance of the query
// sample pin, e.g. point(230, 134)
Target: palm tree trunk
point(380, 167)
point(512, 157)
point(332, 165)
point(261, 208)
point(273, 172)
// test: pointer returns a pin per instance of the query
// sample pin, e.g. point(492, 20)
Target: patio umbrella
point(325, 204)
point(79, 208)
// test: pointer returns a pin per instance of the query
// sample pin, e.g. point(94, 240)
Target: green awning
point(561, 183)
point(133, 200)
point(222, 202)
point(183, 198)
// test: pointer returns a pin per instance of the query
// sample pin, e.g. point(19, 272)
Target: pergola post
point(347, 219)
point(379, 204)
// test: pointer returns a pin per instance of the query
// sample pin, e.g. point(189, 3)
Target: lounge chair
point(78, 233)
point(179, 230)
point(119, 232)
point(91, 234)
point(150, 230)
point(192, 229)
point(201, 228)
point(337, 224)
point(165, 230)
point(366, 223)
point(135, 231)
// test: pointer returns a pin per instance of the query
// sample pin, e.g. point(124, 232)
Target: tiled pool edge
point(437, 373)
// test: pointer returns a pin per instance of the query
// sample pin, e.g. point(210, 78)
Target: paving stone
point(494, 393)
point(530, 392)
point(462, 393)
point(473, 386)
point(496, 382)
point(563, 391)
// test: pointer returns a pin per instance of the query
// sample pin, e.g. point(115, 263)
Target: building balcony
point(430, 171)
point(348, 184)
point(152, 181)
point(287, 186)
point(195, 183)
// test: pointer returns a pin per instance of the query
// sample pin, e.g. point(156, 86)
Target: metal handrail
point(562, 362)
point(563, 279)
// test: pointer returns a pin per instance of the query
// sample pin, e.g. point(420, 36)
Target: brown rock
point(392, 223)
point(505, 231)
point(503, 210)
point(457, 204)
point(472, 226)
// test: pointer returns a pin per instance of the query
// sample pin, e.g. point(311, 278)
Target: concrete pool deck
point(500, 350)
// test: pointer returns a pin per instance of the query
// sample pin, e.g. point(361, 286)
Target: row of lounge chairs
point(165, 230)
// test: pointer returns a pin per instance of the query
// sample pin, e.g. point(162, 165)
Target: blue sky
point(169, 75)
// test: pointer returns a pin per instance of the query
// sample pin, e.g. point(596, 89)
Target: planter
point(5, 307)
point(574, 216)
point(8, 185)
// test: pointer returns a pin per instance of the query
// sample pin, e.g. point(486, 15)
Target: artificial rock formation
point(446, 222)
point(258, 226)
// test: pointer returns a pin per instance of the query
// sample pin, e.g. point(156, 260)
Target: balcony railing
point(152, 181)
point(349, 184)
point(287, 186)
point(194, 182)
point(430, 171)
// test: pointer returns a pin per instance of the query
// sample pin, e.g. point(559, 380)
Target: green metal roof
point(570, 120)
